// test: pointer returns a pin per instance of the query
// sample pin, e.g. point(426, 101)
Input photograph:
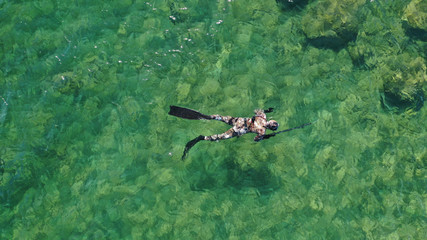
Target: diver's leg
point(229, 134)
point(226, 119)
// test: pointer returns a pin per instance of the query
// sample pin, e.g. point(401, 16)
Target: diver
point(256, 124)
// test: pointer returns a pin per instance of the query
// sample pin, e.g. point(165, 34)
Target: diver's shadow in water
point(240, 180)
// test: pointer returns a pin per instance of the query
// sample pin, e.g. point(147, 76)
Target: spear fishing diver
point(257, 124)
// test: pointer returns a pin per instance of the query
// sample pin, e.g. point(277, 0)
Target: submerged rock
point(332, 24)
point(415, 19)
point(67, 83)
point(403, 78)
point(292, 4)
point(416, 14)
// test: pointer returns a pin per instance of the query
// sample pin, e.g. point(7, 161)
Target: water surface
point(89, 152)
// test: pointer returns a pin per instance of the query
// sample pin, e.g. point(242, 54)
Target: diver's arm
point(267, 136)
point(258, 138)
point(260, 134)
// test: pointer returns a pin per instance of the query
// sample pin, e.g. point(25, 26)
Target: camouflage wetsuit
point(257, 124)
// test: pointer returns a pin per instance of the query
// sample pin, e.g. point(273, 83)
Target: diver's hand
point(258, 138)
point(269, 110)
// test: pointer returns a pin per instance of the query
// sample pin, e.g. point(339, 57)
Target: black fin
point(190, 144)
point(187, 113)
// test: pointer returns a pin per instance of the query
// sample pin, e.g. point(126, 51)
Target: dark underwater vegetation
point(88, 150)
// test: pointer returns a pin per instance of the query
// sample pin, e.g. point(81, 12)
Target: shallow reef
point(332, 24)
point(88, 150)
point(403, 78)
point(416, 14)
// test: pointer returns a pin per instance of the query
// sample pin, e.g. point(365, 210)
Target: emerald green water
point(88, 150)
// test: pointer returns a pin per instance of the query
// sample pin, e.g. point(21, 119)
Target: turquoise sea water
point(88, 151)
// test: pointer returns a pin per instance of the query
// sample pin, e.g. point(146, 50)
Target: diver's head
point(272, 125)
